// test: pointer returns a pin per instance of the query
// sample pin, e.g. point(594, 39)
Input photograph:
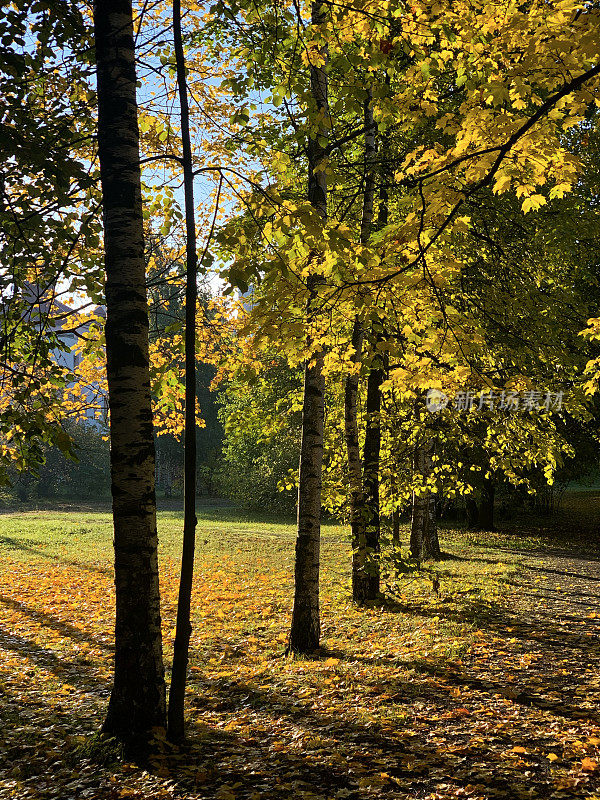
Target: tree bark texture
point(424, 542)
point(183, 629)
point(355, 471)
point(305, 629)
point(137, 702)
point(367, 585)
point(371, 458)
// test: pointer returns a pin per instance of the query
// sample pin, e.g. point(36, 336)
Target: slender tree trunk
point(358, 520)
point(306, 626)
point(424, 542)
point(137, 702)
point(472, 510)
point(183, 630)
point(396, 527)
point(370, 583)
point(485, 521)
point(420, 509)
point(305, 629)
point(355, 472)
point(370, 588)
point(432, 540)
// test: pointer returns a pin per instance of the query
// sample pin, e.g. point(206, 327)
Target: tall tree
point(176, 727)
point(371, 458)
point(372, 449)
point(137, 703)
point(361, 574)
point(306, 627)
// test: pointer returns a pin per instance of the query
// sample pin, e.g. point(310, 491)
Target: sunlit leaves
point(49, 215)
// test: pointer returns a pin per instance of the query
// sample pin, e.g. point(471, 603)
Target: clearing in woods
point(489, 689)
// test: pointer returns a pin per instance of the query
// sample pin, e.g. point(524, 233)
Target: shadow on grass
point(286, 746)
point(58, 625)
point(497, 620)
point(76, 673)
point(14, 544)
point(418, 735)
point(325, 753)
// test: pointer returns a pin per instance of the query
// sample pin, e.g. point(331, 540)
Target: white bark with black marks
point(305, 629)
point(137, 702)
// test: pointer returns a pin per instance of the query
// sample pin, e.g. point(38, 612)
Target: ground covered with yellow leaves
point(489, 689)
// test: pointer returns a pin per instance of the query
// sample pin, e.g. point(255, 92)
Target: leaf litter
point(490, 689)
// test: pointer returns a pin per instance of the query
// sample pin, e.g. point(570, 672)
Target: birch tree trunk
point(137, 702)
point(305, 629)
point(355, 472)
point(183, 629)
point(432, 540)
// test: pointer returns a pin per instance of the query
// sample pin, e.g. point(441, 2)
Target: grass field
point(419, 697)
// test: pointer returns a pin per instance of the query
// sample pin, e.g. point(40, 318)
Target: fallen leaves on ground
point(490, 690)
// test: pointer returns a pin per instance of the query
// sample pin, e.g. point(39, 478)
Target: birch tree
point(306, 627)
point(137, 702)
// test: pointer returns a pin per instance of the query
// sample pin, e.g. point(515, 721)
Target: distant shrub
point(59, 477)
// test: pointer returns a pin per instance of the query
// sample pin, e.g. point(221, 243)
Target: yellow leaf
point(502, 184)
point(533, 203)
point(552, 757)
point(560, 190)
point(524, 190)
point(589, 765)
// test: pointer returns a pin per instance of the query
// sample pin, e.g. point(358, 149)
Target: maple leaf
point(533, 202)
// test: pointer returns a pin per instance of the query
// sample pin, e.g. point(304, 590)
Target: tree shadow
point(76, 672)
point(14, 544)
point(564, 572)
point(325, 753)
point(49, 621)
point(497, 619)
